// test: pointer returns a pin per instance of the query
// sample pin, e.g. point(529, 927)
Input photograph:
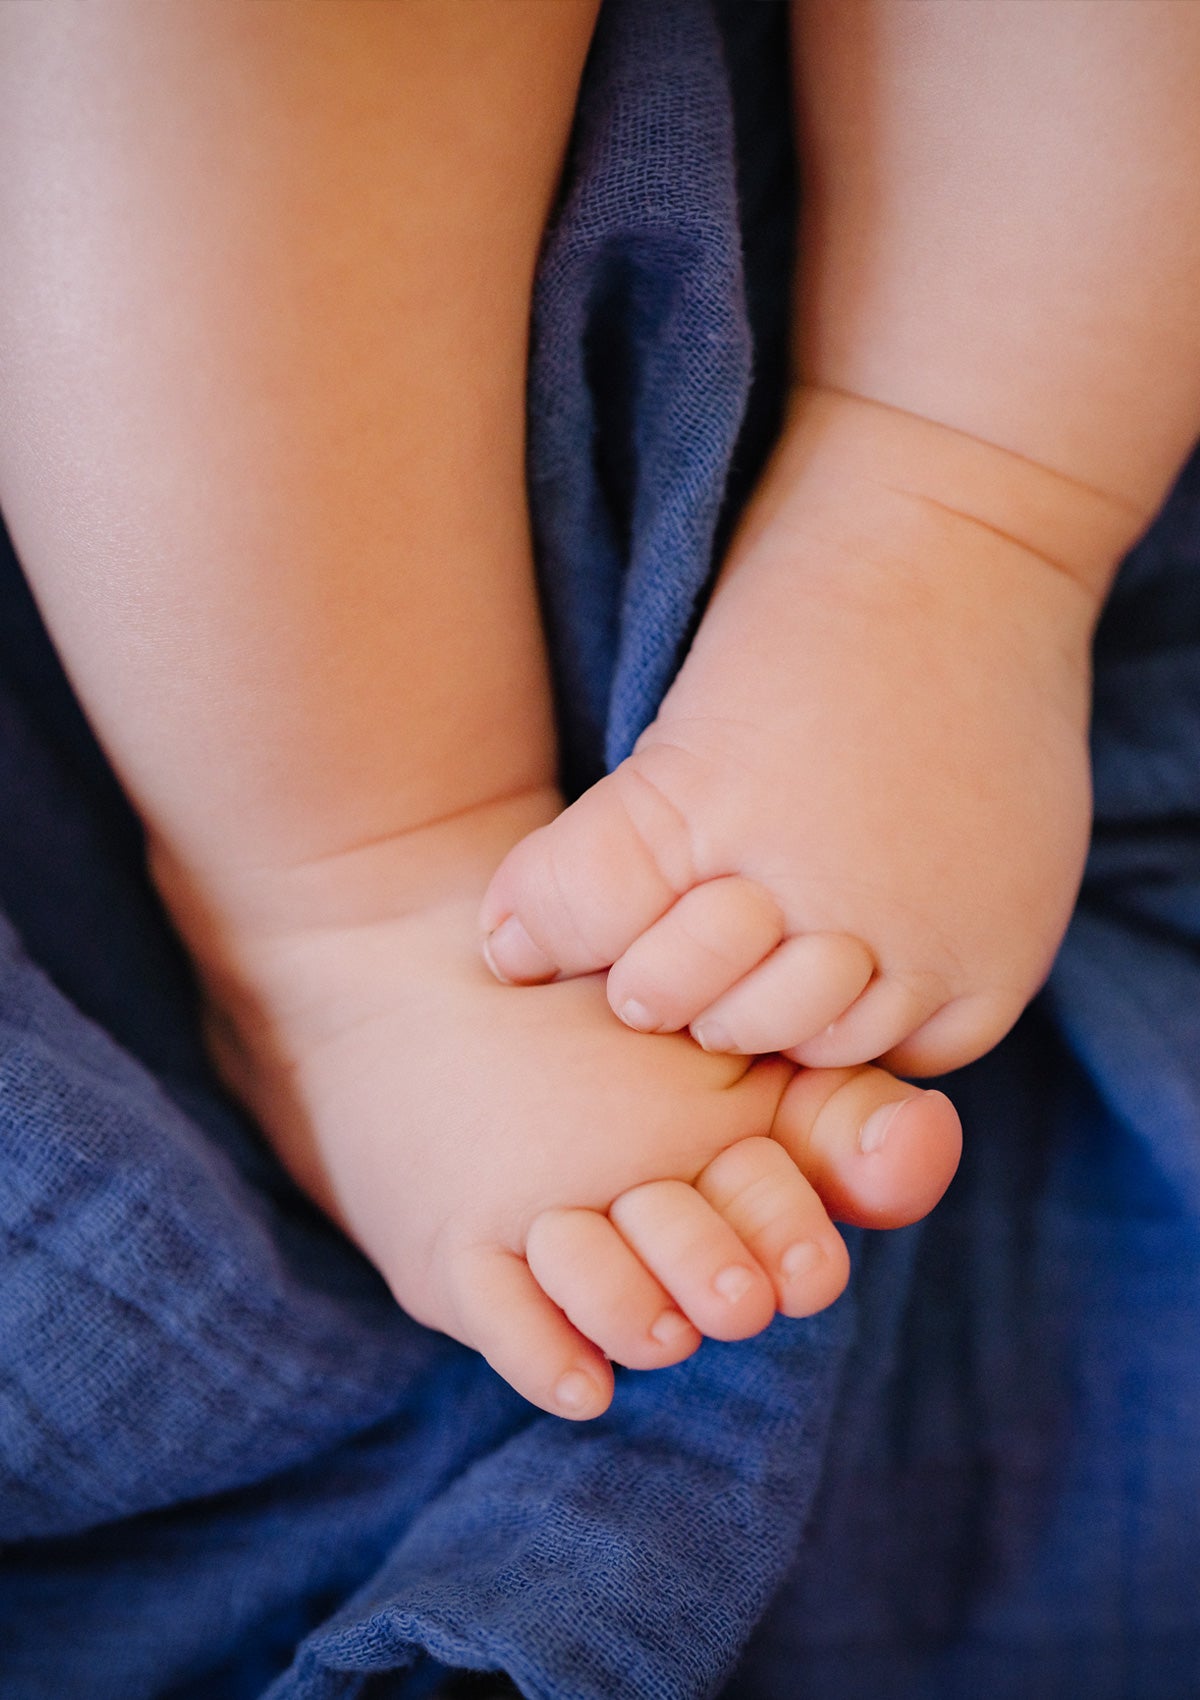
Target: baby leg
point(263, 324)
point(856, 827)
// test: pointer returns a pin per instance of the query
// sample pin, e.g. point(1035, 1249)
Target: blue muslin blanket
point(231, 1468)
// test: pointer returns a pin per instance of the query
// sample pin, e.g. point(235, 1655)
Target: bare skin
point(528, 1175)
point(269, 492)
point(857, 825)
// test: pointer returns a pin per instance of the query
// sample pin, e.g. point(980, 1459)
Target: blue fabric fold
point(231, 1468)
point(640, 372)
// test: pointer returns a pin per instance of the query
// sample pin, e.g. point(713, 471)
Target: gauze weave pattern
point(229, 1467)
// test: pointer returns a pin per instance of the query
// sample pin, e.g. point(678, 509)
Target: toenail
point(671, 1328)
point(733, 1283)
point(711, 1036)
point(636, 1015)
point(874, 1130)
point(575, 1391)
point(513, 957)
point(800, 1258)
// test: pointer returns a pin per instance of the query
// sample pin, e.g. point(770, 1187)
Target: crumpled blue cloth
point(230, 1467)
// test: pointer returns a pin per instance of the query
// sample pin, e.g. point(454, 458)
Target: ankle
point(234, 919)
point(906, 475)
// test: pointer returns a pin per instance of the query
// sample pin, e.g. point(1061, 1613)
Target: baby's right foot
point(528, 1175)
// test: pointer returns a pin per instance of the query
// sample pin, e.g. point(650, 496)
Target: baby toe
point(889, 1010)
point(502, 1312)
point(797, 992)
point(758, 1190)
point(581, 1262)
point(571, 897)
point(879, 1152)
point(706, 942)
point(960, 1032)
point(712, 1277)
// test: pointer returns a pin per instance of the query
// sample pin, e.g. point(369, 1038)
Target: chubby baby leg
point(295, 594)
point(857, 825)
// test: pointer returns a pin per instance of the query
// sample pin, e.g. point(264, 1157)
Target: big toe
point(879, 1152)
point(574, 895)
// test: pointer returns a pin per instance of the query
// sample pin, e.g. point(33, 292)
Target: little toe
point(879, 1152)
point(572, 896)
point(891, 1008)
point(757, 1188)
point(581, 1262)
point(505, 1315)
point(961, 1031)
point(712, 1277)
point(801, 988)
point(704, 944)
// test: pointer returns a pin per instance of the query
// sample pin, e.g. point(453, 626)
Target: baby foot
point(528, 1175)
point(857, 826)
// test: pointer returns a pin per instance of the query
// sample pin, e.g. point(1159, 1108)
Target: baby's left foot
point(857, 826)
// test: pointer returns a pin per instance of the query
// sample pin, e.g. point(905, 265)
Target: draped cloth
point(230, 1467)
